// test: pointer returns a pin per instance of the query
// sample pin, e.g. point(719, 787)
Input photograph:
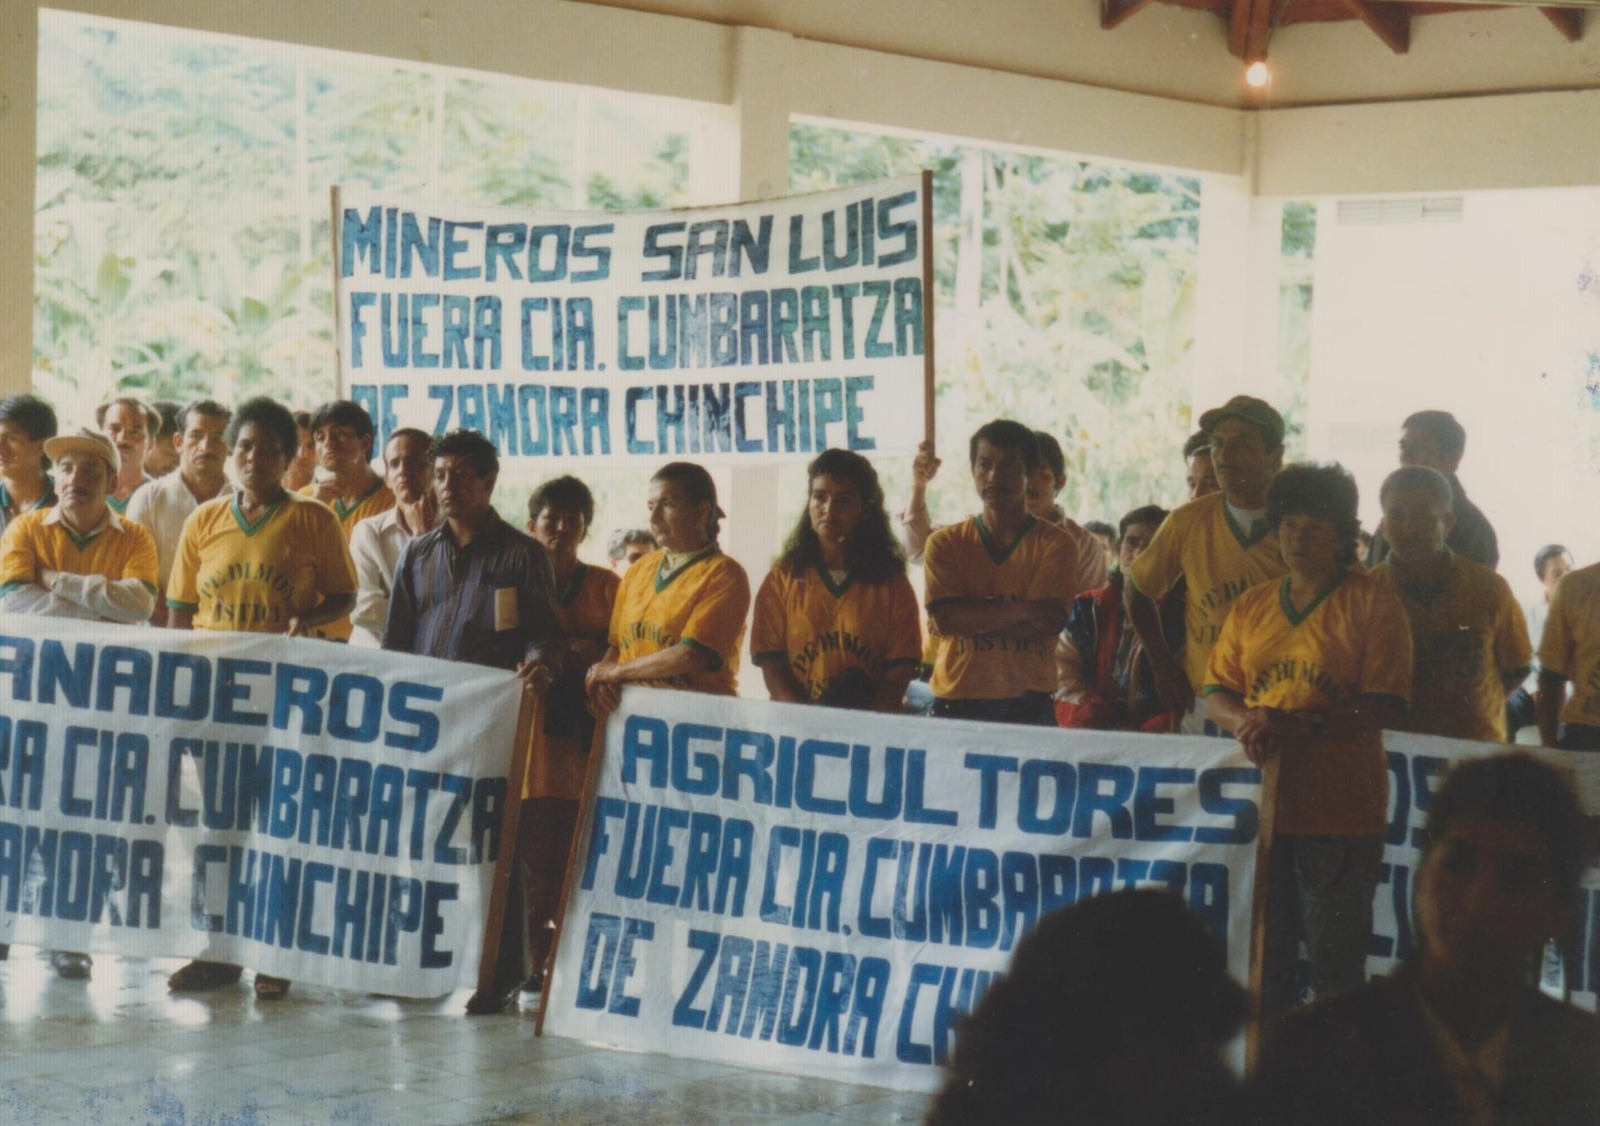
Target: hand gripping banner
point(824, 892)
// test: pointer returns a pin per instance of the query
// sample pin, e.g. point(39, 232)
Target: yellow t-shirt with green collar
point(40, 540)
point(822, 627)
point(1468, 638)
point(376, 501)
point(1352, 642)
point(1571, 643)
point(1200, 543)
point(961, 562)
point(703, 604)
point(235, 575)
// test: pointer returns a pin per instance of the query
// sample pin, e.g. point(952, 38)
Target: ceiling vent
point(1392, 212)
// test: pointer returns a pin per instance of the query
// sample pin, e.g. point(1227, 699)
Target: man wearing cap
point(1435, 439)
point(78, 560)
point(1219, 545)
point(164, 504)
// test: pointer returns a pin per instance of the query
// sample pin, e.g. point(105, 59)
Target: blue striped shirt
point(490, 603)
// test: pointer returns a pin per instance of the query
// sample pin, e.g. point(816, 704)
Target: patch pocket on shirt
point(505, 609)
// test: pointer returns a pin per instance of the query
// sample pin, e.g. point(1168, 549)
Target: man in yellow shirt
point(1220, 545)
point(999, 587)
point(343, 433)
point(1469, 642)
point(78, 560)
point(1570, 651)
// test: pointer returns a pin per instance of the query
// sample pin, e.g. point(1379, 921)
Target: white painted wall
point(1494, 319)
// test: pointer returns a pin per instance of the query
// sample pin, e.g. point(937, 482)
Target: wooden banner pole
point(927, 307)
point(1258, 909)
point(530, 727)
point(580, 847)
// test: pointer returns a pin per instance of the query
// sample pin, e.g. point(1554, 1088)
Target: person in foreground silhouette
point(1113, 1011)
point(1460, 1034)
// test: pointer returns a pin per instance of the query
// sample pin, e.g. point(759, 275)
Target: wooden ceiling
point(1252, 22)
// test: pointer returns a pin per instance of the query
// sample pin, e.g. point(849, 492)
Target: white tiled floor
point(120, 1050)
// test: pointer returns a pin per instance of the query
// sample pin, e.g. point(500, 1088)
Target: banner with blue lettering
point(757, 332)
point(823, 892)
point(1417, 763)
point(313, 811)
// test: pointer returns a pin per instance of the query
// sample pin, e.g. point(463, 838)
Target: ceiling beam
point(1389, 22)
point(1239, 26)
point(1260, 29)
point(1116, 12)
point(1568, 21)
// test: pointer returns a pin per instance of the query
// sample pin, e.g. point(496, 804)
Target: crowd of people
point(1250, 611)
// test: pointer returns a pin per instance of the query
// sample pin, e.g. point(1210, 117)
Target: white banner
point(823, 892)
point(757, 332)
point(318, 812)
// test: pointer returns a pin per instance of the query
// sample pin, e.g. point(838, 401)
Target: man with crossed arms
point(78, 560)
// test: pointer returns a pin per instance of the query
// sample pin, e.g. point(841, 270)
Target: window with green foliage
point(1065, 297)
point(182, 193)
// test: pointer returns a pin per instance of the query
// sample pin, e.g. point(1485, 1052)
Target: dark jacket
point(1095, 630)
point(1367, 1058)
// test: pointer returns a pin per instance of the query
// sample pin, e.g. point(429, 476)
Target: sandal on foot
point(198, 976)
point(269, 988)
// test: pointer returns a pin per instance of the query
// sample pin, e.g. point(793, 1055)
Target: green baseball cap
point(1246, 408)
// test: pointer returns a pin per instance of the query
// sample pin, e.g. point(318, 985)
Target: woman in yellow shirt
point(1310, 669)
point(836, 619)
point(679, 616)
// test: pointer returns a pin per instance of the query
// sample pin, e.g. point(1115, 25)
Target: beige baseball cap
point(83, 441)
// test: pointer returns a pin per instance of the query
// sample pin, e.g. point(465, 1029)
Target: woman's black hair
point(875, 555)
point(697, 486)
point(270, 416)
point(563, 492)
point(1106, 980)
point(1529, 791)
point(1325, 491)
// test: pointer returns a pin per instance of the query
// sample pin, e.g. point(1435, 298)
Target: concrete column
point(758, 514)
point(19, 53)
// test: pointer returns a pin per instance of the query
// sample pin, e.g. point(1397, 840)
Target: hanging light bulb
point(1257, 74)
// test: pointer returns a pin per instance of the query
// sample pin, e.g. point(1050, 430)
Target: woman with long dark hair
point(836, 619)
